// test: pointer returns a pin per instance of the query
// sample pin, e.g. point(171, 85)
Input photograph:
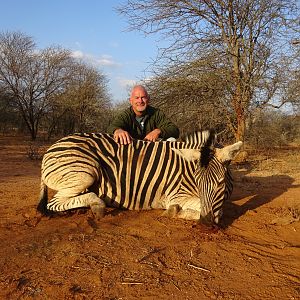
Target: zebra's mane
point(205, 142)
point(200, 139)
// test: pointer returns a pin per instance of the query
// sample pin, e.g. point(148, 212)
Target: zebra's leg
point(172, 211)
point(184, 208)
point(176, 211)
point(64, 200)
point(188, 214)
point(98, 208)
point(43, 200)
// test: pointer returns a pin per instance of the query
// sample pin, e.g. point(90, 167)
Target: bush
point(270, 129)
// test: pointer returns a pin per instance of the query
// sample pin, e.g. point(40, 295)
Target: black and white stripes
point(141, 175)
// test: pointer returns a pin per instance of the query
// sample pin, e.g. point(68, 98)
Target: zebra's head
point(212, 177)
point(214, 180)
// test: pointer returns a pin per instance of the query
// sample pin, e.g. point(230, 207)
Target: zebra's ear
point(188, 154)
point(228, 153)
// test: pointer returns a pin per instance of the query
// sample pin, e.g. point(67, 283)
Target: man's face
point(139, 101)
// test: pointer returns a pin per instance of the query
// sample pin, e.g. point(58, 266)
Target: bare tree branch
point(249, 38)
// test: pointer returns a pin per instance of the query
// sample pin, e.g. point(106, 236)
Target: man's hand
point(122, 137)
point(153, 135)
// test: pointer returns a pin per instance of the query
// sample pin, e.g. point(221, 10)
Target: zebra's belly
point(133, 196)
point(134, 203)
point(140, 201)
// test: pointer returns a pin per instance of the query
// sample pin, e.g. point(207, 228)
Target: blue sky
point(92, 29)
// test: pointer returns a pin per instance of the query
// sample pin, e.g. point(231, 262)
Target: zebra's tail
point(43, 200)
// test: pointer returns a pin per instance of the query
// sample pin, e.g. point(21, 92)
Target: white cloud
point(77, 54)
point(124, 82)
point(100, 61)
point(107, 60)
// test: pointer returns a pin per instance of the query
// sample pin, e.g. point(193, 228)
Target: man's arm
point(167, 128)
point(153, 135)
point(118, 129)
point(122, 136)
point(118, 122)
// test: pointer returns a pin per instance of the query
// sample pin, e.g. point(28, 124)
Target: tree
point(249, 38)
point(9, 116)
point(185, 93)
point(84, 105)
point(292, 91)
point(31, 77)
point(273, 128)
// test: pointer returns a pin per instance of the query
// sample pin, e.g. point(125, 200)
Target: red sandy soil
point(144, 255)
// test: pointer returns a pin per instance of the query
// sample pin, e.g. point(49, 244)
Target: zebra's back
point(133, 176)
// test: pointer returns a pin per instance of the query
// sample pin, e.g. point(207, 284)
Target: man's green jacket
point(153, 118)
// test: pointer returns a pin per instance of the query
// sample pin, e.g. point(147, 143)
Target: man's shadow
point(255, 190)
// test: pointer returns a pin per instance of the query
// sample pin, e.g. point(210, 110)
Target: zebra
point(188, 179)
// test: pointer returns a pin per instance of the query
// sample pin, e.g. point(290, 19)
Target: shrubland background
point(230, 65)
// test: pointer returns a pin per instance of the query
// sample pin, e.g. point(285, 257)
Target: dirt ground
point(143, 255)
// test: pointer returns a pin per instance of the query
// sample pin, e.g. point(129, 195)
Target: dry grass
point(275, 161)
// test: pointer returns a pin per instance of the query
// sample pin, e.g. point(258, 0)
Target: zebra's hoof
point(172, 211)
point(98, 211)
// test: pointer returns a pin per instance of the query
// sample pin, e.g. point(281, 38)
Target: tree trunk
point(240, 130)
